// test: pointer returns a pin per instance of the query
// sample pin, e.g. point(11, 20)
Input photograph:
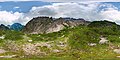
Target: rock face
point(48, 24)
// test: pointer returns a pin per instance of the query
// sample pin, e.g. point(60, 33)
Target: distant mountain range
point(3, 27)
point(15, 26)
point(40, 25)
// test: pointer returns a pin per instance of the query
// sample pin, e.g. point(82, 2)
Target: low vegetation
point(67, 44)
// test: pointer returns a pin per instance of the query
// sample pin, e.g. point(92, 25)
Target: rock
point(56, 51)
point(118, 56)
point(30, 40)
point(61, 44)
point(117, 51)
point(43, 44)
point(63, 36)
point(103, 40)
point(119, 37)
point(2, 51)
point(92, 44)
point(2, 37)
point(9, 56)
point(12, 46)
point(30, 49)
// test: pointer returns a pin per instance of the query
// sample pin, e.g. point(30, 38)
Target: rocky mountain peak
point(48, 24)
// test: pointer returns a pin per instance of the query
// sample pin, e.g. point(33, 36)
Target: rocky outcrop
point(48, 24)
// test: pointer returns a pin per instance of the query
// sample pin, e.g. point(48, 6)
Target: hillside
point(83, 42)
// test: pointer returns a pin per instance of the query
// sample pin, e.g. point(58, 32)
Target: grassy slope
point(77, 41)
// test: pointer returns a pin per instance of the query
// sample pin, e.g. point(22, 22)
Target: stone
point(117, 51)
point(118, 56)
point(92, 44)
point(56, 51)
point(30, 40)
point(103, 41)
point(9, 56)
point(2, 37)
point(61, 44)
point(12, 46)
point(43, 44)
point(30, 49)
point(2, 51)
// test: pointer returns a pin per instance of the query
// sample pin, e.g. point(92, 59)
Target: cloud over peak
point(9, 17)
point(90, 11)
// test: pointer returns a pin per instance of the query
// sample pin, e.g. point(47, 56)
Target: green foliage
point(77, 42)
point(81, 37)
point(13, 35)
point(105, 27)
point(114, 38)
point(2, 32)
point(50, 36)
point(101, 24)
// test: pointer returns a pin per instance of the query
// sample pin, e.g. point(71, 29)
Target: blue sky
point(24, 6)
point(23, 11)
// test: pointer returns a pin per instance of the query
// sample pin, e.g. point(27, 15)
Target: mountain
point(16, 27)
point(102, 24)
point(104, 27)
point(48, 24)
point(3, 27)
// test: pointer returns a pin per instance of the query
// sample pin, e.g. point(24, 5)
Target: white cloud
point(9, 17)
point(76, 10)
point(88, 11)
point(111, 15)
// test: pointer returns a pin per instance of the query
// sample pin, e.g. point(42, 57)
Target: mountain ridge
point(48, 24)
